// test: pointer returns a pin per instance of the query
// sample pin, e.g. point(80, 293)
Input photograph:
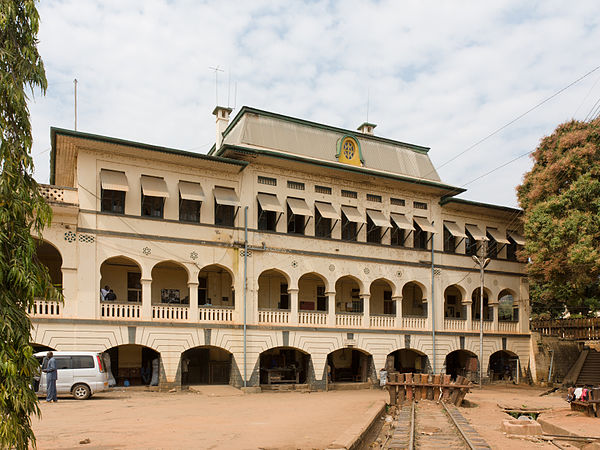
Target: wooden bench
point(591, 408)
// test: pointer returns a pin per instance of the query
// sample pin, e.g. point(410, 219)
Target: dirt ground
point(223, 417)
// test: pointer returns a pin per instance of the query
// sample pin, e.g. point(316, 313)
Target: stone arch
point(503, 365)
point(508, 306)
point(206, 364)
point(462, 362)
point(350, 364)
point(312, 288)
point(408, 360)
point(382, 292)
point(284, 365)
point(488, 312)
point(170, 283)
point(50, 256)
point(454, 298)
point(216, 286)
point(134, 363)
point(222, 267)
point(414, 300)
point(273, 290)
point(348, 291)
point(123, 275)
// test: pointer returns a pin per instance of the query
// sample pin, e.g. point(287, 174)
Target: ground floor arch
point(134, 365)
point(349, 365)
point(503, 365)
point(41, 348)
point(284, 365)
point(462, 362)
point(408, 360)
point(205, 365)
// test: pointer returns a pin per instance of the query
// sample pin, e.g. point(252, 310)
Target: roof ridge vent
point(367, 128)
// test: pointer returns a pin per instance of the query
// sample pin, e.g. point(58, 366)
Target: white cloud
point(440, 74)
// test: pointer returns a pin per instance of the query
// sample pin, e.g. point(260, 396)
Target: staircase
point(590, 372)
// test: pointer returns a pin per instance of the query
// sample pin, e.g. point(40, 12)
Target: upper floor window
point(401, 229)
point(497, 241)
point(191, 197)
point(376, 223)
point(269, 211)
point(474, 236)
point(267, 180)
point(449, 241)
point(374, 198)
point(154, 193)
point(324, 215)
point(297, 212)
point(453, 236)
point(350, 220)
point(295, 185)
point(419, 205)
point(113, 188)
point(423, 229)
point(349, 194)
point(322, 190)
point(227, 204)
point(397, 201)
point(515, 241)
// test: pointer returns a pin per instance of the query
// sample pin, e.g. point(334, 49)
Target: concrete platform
point(216, 390)
point(572, 423)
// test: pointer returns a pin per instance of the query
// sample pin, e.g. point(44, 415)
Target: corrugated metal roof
point(296, 138)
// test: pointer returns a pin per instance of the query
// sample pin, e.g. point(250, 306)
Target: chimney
point(367, 128)
point(222, 114)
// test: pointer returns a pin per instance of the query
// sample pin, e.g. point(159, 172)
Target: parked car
point(80, 374)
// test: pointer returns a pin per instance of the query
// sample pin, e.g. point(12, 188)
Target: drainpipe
point(432, 302)
point(551, 363)
point(245, 282)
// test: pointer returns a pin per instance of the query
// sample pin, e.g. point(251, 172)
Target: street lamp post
point(482, 262)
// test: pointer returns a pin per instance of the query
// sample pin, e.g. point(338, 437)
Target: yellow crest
point(349, 152)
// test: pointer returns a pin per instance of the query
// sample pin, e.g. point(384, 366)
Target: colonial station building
point(294, 252)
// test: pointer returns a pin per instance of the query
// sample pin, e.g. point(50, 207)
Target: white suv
point(80, 374)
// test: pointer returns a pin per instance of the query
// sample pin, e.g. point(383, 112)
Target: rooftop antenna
point(228, 87)
point(75, 92)
point(217, 70)
point(234, 94)
point(368, 100)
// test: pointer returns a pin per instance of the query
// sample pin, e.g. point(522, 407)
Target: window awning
point(269, 202)
point(401, 221)
point(327, 211)
point(477, 234)
point(454, 229)
point(378, 218)
point(425, 224)
point(191, 191)
point(154, 187)
point(498, 236)
point(113, 181)
point(353, 215)
point(299, 207)
point(226, 196)
point(519, 240)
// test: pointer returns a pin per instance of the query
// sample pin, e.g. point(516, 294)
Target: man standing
point(104, 292)
point(50, 371)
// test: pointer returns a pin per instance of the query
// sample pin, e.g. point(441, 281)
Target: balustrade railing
point(487, 325)
point(455, 324)
point(59, 194)
point(44, 308)
point(273, 316)
point(382, 321)
point(312, 318)
point(212, 314)
point(168, 312)
point(120, 310)
point(586, 329)
point(414, 323)
point(508, 327)
point(349, 319)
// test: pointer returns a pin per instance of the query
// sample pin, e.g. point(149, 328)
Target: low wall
point(565, 352)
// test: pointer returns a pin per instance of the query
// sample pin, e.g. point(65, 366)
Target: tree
point(561, 200)
point(23, 211)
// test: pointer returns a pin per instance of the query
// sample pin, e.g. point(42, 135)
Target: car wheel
point(81, 392)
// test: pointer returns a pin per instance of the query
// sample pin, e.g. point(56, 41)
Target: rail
point(455, 324)
point(312, 318)
point(584, 329)
point(164, 312)
point(414, 323)
point(45, 308)
point(349, 319)
point(273, 316)
point(212, 314)
point(122, 311)
point(382, 321)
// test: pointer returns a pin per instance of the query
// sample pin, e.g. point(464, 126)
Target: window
point(82, 362)
point(134, 287)
point(267, 220)
point(470, 244)
point(321, 299)
point(389, 305)
point(349, 229)
point(295, 185)
point(63, 362)
point(323, 190)
point(267, 180)
point(397, 235)
point(349, 194)
point(373, 231)
point(420, 237)
point(449, 241)
point(511, 250)
point(112, 201)
point(492, 247)
point(322, 225)
point(284, 296)
point(152, 206)
point(374, 198)
point(397, 202)
point(419, 205)
point(224, 215)
point(357, 304)
point(189, 210)
point(202, 292)
point(295, 222)
point(227, 204)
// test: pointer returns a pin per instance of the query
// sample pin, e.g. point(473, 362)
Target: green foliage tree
point(561, 200)
point(23, 212)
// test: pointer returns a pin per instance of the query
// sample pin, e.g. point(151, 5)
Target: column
point(366, 301)
point(469, 323)
point(69, 290)
point(330, 308)
point(495, 318)
point(193, 288)
point(398, 300)
point(293, 292)
point(146, 299)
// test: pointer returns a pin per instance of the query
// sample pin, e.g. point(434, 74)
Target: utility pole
point(482, 262)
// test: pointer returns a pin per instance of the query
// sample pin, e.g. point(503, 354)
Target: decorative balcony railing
point(312, 318)
point(212, 314)
point(168, 312)
point(59, 194)
point(585, 329)
point(44, 308)
point(123, 311)
point(349, 319)
point(455, 324)
point(414, 323)
point(487, 325)
point(508, 327)
point(273, 316)
point(382, 321)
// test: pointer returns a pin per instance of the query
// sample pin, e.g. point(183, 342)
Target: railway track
point(428, 424)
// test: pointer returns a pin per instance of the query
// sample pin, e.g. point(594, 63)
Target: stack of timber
point(408, 387)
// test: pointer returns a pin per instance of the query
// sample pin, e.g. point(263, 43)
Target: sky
point(439, 74)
